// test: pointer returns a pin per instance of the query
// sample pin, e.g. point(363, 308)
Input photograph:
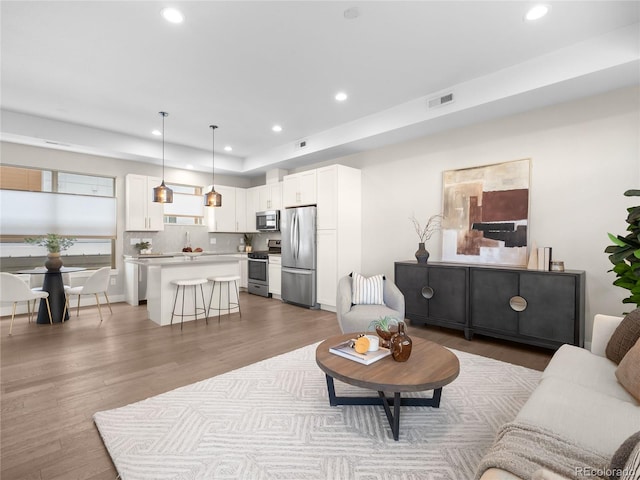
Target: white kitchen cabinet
point(339, 228)
point(327, 258)
point(141, 212)
point(339, 195)
point(244, 270)
point(275, 275)
point(241, 210)
point(252, 207)
point(231, 216)
point(270, 197)
point(299, 189)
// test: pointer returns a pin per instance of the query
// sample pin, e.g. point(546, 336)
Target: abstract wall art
point(486, 214)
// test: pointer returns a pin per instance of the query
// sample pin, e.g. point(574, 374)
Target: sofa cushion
point(591, 419)
point(628, 372)
point(367, 290)
point(624, 337)
point(579, 366)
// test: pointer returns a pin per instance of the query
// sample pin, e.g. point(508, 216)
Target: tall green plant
point(625, 254)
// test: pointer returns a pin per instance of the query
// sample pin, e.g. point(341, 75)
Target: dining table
point(54, 286)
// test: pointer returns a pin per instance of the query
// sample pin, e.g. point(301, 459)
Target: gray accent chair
point(356, 318)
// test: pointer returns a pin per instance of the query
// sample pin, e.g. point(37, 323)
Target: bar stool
point(184, 284)
point(221, 280)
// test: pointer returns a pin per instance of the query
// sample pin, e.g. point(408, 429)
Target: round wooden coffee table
point(430, 367)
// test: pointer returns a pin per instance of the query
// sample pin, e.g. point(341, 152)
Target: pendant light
point(162, 193)
point(213, 198)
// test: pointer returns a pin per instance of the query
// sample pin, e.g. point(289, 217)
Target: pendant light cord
point(164, 114)
point(213, 155)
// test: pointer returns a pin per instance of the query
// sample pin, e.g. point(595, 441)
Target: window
point(35, 202)
point(187, 207)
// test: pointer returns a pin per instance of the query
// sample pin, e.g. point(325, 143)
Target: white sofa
point(580, 399)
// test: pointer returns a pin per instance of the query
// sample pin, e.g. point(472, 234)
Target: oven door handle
point(259, 260)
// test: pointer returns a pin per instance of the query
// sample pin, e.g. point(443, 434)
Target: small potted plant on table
point(385, 327)
point(54, 244)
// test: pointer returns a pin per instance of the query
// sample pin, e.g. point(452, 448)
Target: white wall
point(584, 155)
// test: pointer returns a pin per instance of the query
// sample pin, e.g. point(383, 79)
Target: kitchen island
point(160, 272)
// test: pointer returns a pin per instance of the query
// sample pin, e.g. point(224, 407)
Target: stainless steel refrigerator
point(298, 227)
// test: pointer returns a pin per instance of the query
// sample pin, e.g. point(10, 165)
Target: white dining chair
point(13, 290)
point(97, 283)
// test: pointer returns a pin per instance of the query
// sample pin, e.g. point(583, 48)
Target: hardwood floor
point(54, 378)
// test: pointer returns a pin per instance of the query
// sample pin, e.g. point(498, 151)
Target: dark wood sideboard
point(527, 306)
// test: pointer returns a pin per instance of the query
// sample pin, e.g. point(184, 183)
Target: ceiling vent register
point(440, 101)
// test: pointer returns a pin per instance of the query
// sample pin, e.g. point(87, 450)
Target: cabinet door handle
point(518, 303)
point(428, 292)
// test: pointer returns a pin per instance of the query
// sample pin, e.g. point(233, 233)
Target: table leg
point(397, 401)
point(55, 287)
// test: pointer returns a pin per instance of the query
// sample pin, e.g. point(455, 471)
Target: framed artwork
point(486, 214)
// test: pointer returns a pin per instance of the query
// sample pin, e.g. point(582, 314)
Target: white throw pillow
point(367, 291)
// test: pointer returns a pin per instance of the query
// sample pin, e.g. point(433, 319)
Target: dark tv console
point(539, 308)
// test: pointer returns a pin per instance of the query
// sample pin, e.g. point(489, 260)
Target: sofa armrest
point(343, 300)
point(603, 328)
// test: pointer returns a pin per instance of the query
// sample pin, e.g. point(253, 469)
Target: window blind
point(38, 213)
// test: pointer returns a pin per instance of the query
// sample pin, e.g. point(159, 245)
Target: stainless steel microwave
point(268, 221)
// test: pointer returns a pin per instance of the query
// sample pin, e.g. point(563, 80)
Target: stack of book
point(346, 350)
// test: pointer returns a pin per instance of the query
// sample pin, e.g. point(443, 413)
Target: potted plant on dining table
point(54, 244)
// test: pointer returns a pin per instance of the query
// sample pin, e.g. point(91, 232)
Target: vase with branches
point(424, 233)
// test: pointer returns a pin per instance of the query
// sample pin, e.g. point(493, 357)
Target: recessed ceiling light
point(172, 15)
point(276, 128)
point(157, 133)
point(536, 13)
point(341, 96)
point(228, 148)
point(189, 167)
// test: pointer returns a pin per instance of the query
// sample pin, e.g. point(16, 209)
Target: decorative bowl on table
point(192, 255)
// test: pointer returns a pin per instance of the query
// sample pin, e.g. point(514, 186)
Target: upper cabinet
point(259, 199)
point(270, 197)
point(339, 197)
point(141, 212)
point(232, 215)
point(252, 207)
point(299, 189)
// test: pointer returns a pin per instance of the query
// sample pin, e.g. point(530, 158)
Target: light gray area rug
point(272, 420)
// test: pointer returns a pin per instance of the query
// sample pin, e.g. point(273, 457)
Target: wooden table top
point(430, 366)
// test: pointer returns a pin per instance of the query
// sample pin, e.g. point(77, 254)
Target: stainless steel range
point(259, 269)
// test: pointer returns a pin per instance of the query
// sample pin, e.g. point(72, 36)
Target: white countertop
point(183, 260)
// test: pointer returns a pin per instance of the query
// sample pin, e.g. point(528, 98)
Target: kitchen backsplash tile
point(174, 238)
